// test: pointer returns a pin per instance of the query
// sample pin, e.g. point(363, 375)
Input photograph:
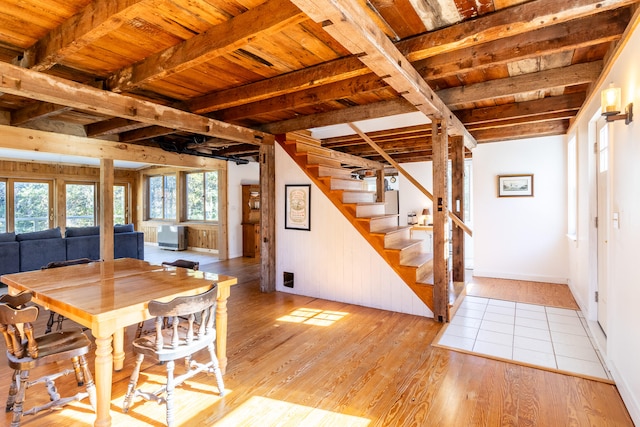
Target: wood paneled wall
point(61, 174)
point(200, 235)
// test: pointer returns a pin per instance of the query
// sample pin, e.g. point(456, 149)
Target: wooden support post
point(267, 217)
point(380, 185)
point(106, 209)
point(440, 222)
point(223, 238)
point(457, 197)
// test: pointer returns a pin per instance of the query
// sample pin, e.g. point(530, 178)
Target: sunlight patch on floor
point(262, 411)
point(312, 316)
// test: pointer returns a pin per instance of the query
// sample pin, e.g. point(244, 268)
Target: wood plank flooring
point(300, 361)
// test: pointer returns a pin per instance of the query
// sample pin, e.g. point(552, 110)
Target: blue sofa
point(84, 242)
point(32, 251)
point(9, 253)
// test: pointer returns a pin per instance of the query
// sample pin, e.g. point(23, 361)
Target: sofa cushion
point(8, 237)
point(9, 257)
point(125, 228)
point(52, 233)
point(36, 253)
point(81, 231)
point(87, 246)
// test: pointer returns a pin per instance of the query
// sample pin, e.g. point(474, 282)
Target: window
point(3, 206)
point(202, 196)
point(81, 205)
point(162, 197)
point(32, 201)
point(120, 204)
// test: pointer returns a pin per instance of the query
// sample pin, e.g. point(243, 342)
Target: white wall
point(622, 345)
point(522, 238)
point(236, 176)
point(333, 261)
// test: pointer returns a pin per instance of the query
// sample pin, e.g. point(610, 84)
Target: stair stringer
point(409, 274)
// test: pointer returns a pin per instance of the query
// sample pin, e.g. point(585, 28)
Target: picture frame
point(297, 209)
point(515, 185)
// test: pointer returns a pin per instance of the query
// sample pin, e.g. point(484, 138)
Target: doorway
point(603, 183)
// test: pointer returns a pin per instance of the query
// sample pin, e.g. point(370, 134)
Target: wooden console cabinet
point(250, 220)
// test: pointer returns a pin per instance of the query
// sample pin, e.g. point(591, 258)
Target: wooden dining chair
point(52, 315)
point(184, 263)
point(193, 265)
point(181, 340)
point(26, 352)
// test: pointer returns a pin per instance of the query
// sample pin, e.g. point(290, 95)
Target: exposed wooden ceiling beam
point(493, 26)
point(268, 18)
point(351, 114)
point(510, 86)
point(43, 87)
point(569, 102)
point(351, 27)
point(112, 127)
point(39, 110)
point(144, 133)
point(585, 32)
point(96, 20)
point(507, 22)
point(466, 94)
point(325, 93)
point(558, 127)
point(47, 142)
point(325, 73)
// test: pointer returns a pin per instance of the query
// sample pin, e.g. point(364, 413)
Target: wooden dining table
point(108, 296)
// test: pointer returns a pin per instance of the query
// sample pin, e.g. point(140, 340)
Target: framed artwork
point(297, 209)
point(515, 185)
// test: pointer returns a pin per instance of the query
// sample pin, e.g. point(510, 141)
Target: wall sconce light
point(610, 105)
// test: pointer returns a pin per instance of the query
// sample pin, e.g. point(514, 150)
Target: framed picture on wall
point(297, 209)
point(515, 185)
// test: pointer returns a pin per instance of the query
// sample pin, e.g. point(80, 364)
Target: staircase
point(331, 172)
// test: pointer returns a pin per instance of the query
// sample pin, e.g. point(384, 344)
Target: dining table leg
point(103, 377)
point(118, 349)
point(221, 326)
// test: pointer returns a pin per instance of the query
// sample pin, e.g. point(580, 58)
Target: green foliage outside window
point(162, 196)
point(81, 205)
point(119, 205)
point(31, 206)
point(202, 196)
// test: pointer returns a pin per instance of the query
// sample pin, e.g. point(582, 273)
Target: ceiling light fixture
point(610, 104)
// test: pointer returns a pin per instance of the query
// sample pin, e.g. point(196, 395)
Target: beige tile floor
point(549, 337)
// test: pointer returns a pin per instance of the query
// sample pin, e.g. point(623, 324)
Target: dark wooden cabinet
point(250, 220)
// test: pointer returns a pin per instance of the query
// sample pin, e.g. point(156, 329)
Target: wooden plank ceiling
point(219, 77)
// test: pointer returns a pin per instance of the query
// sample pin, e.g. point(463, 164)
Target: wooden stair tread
point(353, 191)
point(403, 244)
point(376, 217)
point(419, 259)
point(354, 204)
point(391, 230)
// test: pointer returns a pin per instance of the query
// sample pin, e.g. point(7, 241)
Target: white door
point(603, 154)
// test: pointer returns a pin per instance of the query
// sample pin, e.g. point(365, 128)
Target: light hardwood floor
point(299, 361)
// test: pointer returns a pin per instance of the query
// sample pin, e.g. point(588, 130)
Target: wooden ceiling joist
point(447, 40)
point(43, 87)
point(261, 21)
point(351, 27)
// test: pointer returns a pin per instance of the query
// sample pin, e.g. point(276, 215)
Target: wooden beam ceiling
point(355, 31)
point(43, 87)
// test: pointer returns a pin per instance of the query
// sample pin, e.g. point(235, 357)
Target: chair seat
point(53, 347)
point(147, 345)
